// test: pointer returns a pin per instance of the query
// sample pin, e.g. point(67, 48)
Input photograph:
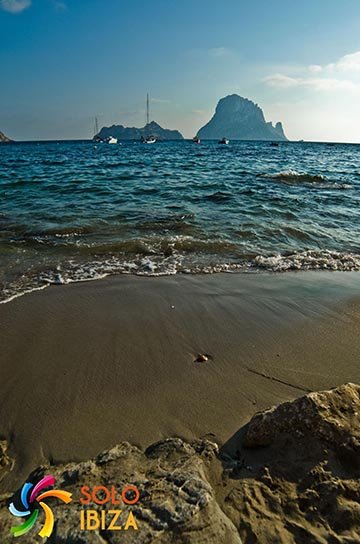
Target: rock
point(127, 133)
point(238, 118)
point(6, 462)
point(305, 485)
point(4, 139)
point(294, 479)
point(202, 358)
point(332, 416)
point(177, 501)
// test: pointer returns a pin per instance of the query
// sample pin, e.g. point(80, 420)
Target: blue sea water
point(71, 211)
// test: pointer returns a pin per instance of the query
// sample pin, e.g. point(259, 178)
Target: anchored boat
point(149, 140)
point(111, 140)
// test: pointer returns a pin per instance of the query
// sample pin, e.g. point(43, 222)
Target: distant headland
point(133, 133)
point(4, 139)
point(239, 118)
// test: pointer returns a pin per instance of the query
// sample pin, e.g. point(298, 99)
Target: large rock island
point(238, 118)
point(4, 139)
point(133, 133)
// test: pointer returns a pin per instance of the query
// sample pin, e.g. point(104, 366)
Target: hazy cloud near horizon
point(343, 75)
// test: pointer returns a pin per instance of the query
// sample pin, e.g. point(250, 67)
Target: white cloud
point(318, 84)
point(315, 68)
point(342, 75)
point(349, 63)
point(15, 6)
point(281, 81)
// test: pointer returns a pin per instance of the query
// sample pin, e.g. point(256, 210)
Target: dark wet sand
point(89, 365)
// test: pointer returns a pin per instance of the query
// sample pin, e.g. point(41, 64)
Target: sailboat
point(148, 139)
point(98, 139)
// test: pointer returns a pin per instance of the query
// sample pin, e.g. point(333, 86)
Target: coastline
point(89, 365)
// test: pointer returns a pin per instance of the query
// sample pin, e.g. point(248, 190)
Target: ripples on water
point(73, 211)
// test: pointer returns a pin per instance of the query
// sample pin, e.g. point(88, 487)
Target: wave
point(177, 263)
point(298, 177)
point(219, 196)
point(292, 177)
point(309, 260)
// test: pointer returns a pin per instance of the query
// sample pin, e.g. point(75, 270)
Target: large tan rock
point(293, 480)
point(177, 503)
point(297, 475)
point(332, 416)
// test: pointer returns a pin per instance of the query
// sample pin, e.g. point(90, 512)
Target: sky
point(63, 62)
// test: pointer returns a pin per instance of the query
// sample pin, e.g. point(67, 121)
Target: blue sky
point(64, 61)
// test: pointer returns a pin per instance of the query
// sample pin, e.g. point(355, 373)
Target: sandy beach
point(88, 365)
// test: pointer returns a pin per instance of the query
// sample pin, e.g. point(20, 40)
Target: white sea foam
point(309, 260)
point(176, 264)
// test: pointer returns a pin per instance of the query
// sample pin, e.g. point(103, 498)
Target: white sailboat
point(148, 139)
point(98, 139)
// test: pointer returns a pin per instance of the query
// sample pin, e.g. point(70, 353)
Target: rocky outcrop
point(126, 133)
point(4, 139)
point(238, 118)
point(6, 462)
point(322, 416)
point(298, 472)
point(177, 504)
point(291, 476)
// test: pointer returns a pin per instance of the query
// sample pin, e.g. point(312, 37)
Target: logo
point(31, 499)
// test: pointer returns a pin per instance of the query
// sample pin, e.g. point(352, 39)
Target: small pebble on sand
point(202, 358)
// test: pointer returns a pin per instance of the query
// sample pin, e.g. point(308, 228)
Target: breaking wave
point(177, 263)
point(72, 212)
point(310, 260)
point(292, 177)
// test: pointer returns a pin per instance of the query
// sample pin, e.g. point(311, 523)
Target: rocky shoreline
point(291, 475)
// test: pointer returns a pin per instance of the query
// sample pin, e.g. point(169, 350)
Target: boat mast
point(147, 109)
point(96, 126)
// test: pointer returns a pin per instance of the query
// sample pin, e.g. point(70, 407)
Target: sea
point(76, 211)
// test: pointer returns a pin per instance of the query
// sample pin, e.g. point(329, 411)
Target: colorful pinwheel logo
point(31, 498)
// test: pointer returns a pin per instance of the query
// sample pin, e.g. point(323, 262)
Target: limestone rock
point(333, 416)
point(177, 502)
point(238, 118)
point(293, 479)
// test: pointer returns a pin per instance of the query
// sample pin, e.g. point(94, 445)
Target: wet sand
point(86, 366)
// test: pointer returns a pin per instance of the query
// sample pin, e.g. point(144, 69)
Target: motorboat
point(149, 140)
point(196, 140)
point(224, 141)
point(111, 140)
